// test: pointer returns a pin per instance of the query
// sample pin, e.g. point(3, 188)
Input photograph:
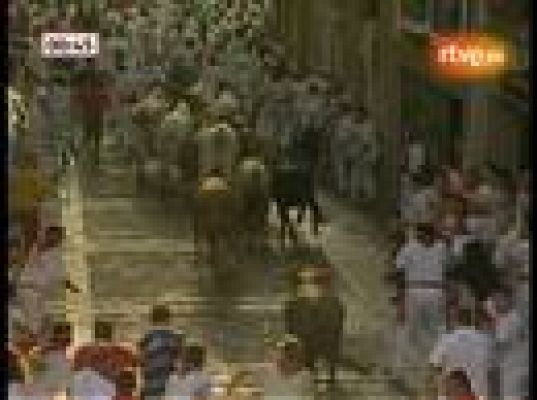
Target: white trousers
point(425, 317)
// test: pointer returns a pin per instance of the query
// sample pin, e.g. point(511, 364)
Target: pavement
point(128, 250)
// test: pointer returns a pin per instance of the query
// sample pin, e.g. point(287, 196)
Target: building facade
point(356, 43)
point(471, 125)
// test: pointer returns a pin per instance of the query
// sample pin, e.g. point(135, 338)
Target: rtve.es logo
point(69, 45)
point(469, 56)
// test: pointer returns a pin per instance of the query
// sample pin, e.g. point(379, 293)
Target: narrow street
point(129, 251)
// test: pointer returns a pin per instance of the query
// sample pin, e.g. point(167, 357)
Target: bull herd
point(229, 179)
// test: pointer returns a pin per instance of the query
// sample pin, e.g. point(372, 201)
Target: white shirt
point(56, 373)
point(89, 385)
point(465, 349)
point(185, 388)
point(422, 263)
point(21, 391)
point(44, 272)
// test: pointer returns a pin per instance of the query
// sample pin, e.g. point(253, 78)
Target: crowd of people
point(166, 364)
point(462, 264)
point(462, 258)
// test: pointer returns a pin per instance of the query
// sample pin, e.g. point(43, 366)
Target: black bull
point(294, 186)
point(318, 324)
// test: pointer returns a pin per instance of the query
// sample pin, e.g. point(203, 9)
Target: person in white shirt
point(289, 381)
point(189, 381)
point(87, 384)
point(512, 337)
point(40, 280)
point(422, 262)
point(468, 349)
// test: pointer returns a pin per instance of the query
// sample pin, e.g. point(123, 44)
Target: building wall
point(356, 42)
point(493, 126)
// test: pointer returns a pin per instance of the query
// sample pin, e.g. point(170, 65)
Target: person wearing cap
point(159, 350)
point(289, 380)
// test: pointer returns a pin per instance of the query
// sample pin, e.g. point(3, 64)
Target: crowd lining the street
point(462, 259)
point(462, 264)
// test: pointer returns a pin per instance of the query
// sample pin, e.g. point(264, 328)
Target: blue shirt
point(158, 350)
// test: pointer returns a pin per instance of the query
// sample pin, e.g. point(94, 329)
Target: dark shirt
point(158, 353)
